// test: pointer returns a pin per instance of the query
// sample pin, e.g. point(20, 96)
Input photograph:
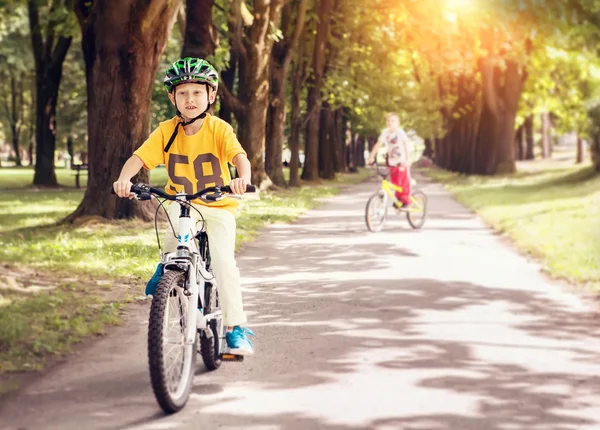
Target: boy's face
point(191, 99)
point(392, 122)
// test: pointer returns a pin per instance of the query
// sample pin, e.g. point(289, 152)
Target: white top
point(394, 145)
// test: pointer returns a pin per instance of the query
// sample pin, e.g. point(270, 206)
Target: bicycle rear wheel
point(417, 212)
point(210, 347)
point(172, 363)
point(376, 211)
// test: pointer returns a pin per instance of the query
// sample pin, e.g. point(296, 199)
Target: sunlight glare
point(458, 4)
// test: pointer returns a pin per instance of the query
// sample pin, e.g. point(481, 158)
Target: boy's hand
point(123, 188)
point(238, 185)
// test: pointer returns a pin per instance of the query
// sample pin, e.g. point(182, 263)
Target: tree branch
point(230, 101)
point(37, 42)
point(154, 11)
point(300, 20)
point(234, 23)
point(60, 51)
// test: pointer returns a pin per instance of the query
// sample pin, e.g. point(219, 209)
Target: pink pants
point(400, 177)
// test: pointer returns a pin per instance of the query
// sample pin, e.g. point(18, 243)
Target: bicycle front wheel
point(417, 212)
point(376, 211)
point(172, 363)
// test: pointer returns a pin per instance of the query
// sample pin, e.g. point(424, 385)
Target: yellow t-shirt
point(194, 162)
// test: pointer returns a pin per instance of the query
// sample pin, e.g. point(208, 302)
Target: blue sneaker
point(238, 343)
point(153, 282)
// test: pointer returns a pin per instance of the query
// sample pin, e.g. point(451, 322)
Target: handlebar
point(144, 192)
point(383, 173)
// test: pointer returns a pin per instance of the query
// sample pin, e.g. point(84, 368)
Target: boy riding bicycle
point(396, 143)
point(197, 159)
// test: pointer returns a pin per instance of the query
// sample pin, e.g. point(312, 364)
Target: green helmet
point(191, 70)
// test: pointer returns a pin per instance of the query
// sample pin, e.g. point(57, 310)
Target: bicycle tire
point(375, 226)
point(414, 223)
point(168, 401)
point(210, 348)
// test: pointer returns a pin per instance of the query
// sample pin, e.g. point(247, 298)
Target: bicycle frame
point(391, 189)
point(187, 258)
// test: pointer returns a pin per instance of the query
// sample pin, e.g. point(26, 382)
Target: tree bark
point(546, 141)
point(227, 81)
point(252, 47)
point(201, 36)
point(122, 45)
point(519, 147)
point(49, 57)
point(595, 151)
point(495, 152)
point(281, 56)
point(326, 144)
point(428, 151)
point(313, 101)
point(14, 113)
point(298, 79)
point(340, 153)
point(529, 154)
point(580, 150)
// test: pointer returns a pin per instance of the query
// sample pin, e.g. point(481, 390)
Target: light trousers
point(220, 228)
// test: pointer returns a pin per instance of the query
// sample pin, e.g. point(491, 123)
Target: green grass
point(551, 211)
point(48, 324)
point(115, 250)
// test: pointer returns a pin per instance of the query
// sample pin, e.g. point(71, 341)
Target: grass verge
point(44, 323)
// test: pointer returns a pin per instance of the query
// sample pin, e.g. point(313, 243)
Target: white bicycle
point(185, 317)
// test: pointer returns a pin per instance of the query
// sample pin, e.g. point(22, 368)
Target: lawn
point(62, 282)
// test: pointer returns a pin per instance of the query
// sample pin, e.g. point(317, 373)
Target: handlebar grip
point(249, 189)
point(112, 190)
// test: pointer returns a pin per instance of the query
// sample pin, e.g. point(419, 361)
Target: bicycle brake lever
point(144, 196)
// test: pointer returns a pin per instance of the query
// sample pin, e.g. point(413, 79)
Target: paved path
point(443, 328)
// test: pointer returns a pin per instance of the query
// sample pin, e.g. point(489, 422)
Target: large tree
point(50, 41)
point(251, 38)
point(315, 83)
point(292, 25)
point(122, 43)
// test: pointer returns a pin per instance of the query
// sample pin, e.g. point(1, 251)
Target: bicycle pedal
point(232, 357)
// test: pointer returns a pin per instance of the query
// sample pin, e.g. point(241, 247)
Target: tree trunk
point(122, 45)
point(326, 144)
point(201, 37)
point(252, 132)
point(519, 147)
point(252, 47)
point(313, 100)
point(495, 152)
point(428, 151)
point(275, 127)
point(546, 142)
point(580, 149)
point(298, 77)
point(49, 58)
point(595, 151)
point(227, 81)
point(280, 59)
point(360, 151)
point(340, 153)
point(529, 154)
point(15, 116)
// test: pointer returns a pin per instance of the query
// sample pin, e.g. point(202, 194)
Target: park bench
point(78, 169)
